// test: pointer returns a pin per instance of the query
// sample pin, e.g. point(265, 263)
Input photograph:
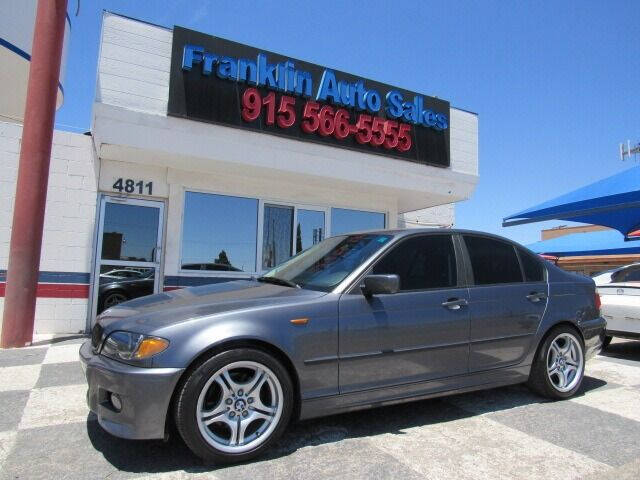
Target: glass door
point(128, 251)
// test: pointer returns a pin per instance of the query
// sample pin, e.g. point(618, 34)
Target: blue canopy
point(613, 202)
point(602, 242)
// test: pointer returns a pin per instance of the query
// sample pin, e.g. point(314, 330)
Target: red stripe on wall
point(168, 289)
point(57, 290)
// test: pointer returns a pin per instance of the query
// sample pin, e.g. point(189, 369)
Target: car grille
point(96, 336)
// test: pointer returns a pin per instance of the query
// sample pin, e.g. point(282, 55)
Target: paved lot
point(47, 432)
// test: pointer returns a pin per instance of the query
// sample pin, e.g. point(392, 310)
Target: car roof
point(403, 232)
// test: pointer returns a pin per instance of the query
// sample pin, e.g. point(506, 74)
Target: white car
point(626, 273)
point(620, 307)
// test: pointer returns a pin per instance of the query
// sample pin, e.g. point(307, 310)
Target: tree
point(222, 258)
point(298, 239)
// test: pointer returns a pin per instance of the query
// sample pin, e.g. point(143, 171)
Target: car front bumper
point(145, 394)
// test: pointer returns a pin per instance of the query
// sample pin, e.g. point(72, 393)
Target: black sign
point(219, 81)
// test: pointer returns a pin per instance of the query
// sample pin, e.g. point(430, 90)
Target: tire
point(607, 341)
point(558, 367)
point(245, 390)
point(111, 299)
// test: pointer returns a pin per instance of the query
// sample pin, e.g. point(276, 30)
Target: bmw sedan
point(356, 321)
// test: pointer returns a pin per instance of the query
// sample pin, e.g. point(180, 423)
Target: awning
point(602, 242)
point(613, 202)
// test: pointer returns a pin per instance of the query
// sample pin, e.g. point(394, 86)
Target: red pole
point(33, 174)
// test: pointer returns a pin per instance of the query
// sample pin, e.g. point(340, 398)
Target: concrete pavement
point(47, 432)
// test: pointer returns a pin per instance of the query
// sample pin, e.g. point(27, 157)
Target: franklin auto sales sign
point(219, 81)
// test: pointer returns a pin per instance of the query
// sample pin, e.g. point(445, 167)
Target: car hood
point(178, 306)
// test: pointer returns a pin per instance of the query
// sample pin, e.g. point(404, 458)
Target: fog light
point(116, 402)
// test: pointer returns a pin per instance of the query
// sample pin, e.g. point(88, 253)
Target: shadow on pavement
point(623, 350)
point(173, 455)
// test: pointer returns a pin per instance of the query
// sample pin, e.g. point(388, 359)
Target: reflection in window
point(219, 232)
point(277, 235)
point(492, 261)
point(130, 232)
point(310, 229)
point(422, 262)
point(346, 221)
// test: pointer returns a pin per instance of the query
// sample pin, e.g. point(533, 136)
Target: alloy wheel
point(565, 362)
point(239, 407)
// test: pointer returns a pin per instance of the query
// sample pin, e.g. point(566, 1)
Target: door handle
point(536, 296)
point(455, 303)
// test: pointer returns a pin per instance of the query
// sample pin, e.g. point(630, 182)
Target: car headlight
point(132, 346)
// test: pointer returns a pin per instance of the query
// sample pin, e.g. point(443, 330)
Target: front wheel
point(234, 405)
point(558, 368)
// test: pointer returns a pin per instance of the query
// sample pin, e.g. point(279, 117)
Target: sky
point(555, 84)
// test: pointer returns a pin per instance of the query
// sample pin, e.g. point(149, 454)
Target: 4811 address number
point(129, 185)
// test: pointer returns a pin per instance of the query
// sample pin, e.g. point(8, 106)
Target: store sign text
point(284, 77)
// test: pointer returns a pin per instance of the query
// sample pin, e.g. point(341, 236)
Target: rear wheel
point(234, 405)
point(558, 368)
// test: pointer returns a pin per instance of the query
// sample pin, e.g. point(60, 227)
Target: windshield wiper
point(278, 281)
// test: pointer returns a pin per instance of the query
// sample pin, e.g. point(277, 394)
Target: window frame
point(262, 202)
point(460, 267)
point(471, 283)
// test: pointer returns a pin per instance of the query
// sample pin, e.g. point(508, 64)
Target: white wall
point(440, 216)
point(134, 64)
point(69, 219)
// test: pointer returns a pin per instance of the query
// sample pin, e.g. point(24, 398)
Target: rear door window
point(627, 275)
point(492, 261)
point(532, 267)
point(423, 262)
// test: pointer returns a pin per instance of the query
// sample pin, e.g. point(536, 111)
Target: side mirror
point(379, 284)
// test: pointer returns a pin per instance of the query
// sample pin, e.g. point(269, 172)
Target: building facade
point(190, 176)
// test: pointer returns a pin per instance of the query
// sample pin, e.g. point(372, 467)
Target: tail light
point(597, 302)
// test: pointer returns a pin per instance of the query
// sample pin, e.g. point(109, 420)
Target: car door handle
point(455, 303)
point(536, 296)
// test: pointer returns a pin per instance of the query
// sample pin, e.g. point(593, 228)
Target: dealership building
point(208, 160)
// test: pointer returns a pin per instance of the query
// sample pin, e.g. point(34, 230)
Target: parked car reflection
point(114, 290)
point(218, 267)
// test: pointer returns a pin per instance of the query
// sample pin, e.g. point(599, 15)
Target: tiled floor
point(47, 432)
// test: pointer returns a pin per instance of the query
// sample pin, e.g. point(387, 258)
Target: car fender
point(310, 343)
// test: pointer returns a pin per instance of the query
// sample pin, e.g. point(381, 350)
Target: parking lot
point(46, 431)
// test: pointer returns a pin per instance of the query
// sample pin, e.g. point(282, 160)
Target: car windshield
point(326, 264)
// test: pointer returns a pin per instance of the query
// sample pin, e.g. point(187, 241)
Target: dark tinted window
point(627, 275)
point(422, 262)
point(532, 266)
point(492, 261)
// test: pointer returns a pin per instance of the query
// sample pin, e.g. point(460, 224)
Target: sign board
point(220, 81)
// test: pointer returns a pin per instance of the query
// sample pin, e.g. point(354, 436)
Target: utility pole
point(33, 174)
point(629, 151)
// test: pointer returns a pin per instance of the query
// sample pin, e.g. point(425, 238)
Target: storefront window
point(346, 221)
point(277, 235)
point(219, 233)
point(309, 228)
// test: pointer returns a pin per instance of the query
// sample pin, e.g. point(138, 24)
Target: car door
point(420, 333)
point(507, 299)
